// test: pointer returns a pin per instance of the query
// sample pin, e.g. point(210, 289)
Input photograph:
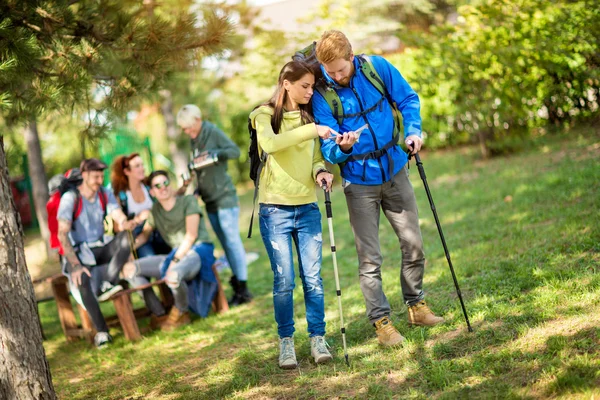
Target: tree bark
point(180, 159)
point(482, 137)
point(39, 182)
point(24, 370)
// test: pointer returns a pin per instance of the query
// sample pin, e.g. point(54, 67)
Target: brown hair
point(118, 179)
point(154, 174)
point(292, 71)
point(332, 46)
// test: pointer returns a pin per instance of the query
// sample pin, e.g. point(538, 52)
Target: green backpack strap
point(333, 100)
point(369, 71)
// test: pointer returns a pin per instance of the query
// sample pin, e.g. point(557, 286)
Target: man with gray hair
point(211, 149)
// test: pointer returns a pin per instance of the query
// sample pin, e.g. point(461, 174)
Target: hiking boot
point(102, 339)
point(107, 290)
point(157, 321)
point(420, 315)
point(386, 333)
point(235, 284)
point(175, 319)
point(287, 353)
point(318, 349)
point(241, 293)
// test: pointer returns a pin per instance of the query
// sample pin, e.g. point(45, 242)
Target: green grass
point(527, 266)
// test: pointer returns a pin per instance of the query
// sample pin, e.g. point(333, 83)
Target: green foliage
point(508, 67)
point(53, 53)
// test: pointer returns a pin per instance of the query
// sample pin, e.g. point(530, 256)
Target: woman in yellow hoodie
point(289, 213)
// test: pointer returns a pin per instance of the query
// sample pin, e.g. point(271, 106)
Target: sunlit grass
point(527, 266)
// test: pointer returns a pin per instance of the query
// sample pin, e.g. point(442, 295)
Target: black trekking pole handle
point(439, 227)
point(327, 198)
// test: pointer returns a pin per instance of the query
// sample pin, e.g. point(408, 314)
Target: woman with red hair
point(127, 180)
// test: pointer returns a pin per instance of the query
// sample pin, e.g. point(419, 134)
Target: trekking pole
point(335, 268)
point(439, 227)
point(131, 244)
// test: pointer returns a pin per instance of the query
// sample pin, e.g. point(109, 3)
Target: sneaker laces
point(321, 345)
point(287, 348)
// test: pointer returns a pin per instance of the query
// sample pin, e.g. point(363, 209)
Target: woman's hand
point(323, 131)
point(327, 177)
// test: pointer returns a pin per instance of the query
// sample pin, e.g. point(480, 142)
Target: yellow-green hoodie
point(294, 158)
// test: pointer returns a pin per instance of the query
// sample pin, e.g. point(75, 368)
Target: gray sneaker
point(102, 339)
point(287, 354)
point(318, 349)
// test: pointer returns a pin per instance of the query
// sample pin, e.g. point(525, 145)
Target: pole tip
point(346, 357)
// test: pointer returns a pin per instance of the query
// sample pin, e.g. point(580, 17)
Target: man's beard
point(344, 81)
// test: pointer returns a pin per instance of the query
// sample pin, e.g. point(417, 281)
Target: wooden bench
point(126, 316)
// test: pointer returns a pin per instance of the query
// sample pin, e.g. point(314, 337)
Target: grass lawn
point(524, 236)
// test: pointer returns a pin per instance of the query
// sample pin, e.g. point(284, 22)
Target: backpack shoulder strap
point(369, 71)
point(123, 201)
point(333, 100)
point(78, 206)
point(262, 161)
point(103, 196)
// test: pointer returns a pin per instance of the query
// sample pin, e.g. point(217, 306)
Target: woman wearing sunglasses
point(180, 222)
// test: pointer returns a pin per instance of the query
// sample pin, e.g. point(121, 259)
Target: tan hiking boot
point(421, 315)
point(157, 322)
point(386, 333)
point(175, 319)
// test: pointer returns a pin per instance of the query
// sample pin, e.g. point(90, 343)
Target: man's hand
point(414, 143)
point(128, 225)
point(346, 140)
point(328, 177)
point(201, 157)
point(78, 270)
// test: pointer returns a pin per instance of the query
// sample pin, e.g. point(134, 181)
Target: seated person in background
point(179, 221)
point(127, 180)
point(92, 264)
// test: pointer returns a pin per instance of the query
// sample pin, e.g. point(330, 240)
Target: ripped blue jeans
point(279, 226)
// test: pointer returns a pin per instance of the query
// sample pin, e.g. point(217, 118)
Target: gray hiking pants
point(400, 208)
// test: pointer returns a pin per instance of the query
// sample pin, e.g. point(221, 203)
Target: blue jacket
point(362, 94)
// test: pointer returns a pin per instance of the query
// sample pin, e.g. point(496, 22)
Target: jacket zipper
point(369, 128)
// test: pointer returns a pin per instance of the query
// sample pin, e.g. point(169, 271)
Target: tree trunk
point(24, 371)
point(39, 183)
point(180, 159)
point(482, 136)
